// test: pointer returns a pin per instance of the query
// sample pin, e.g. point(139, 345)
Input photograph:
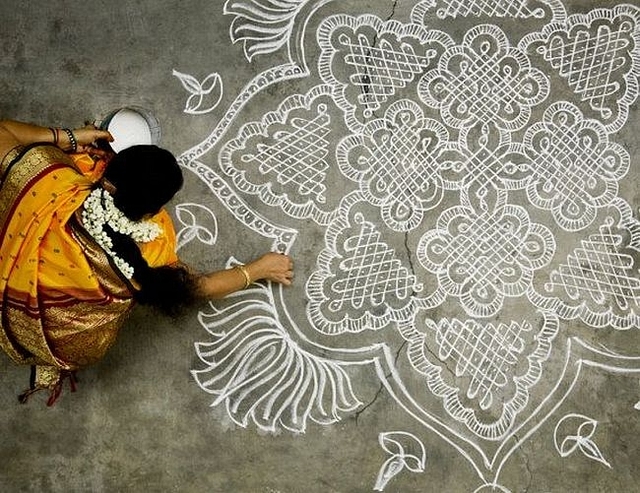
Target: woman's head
point(145, 177)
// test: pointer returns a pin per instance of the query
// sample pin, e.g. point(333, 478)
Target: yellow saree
point(62, 301)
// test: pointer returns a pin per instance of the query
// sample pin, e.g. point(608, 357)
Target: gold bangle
point(245, 274)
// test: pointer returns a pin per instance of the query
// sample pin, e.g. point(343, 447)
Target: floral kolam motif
point(462, 191)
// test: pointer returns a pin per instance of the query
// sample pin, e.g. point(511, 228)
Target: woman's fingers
point(87, 136)
point(283, 267)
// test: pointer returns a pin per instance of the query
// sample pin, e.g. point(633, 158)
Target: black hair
point(146, 177)
point(169, 289)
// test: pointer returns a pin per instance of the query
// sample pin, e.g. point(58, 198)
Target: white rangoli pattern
point(484, 80)
point(394, 162)
point(597, 54)
point(406, 451)
point(580, 439)
point(519, 9)
point(483, 256)
point(574, 169)
point(197, 222)
point(479, 238)
point(203, 96)
point(365, 76)
point(360, 282)
point(500, 363)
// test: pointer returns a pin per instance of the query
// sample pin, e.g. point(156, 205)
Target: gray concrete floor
point(457, 324)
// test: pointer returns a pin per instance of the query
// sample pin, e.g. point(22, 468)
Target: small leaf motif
point(204, 96)
point(406, 451)
point(189, 82)
point(590, 449)
point(581, 440)
point(198, 223)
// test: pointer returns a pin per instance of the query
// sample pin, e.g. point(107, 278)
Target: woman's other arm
point(13, 133)
point(274, 267)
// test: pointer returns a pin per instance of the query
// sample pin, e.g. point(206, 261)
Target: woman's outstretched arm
point(274, 267)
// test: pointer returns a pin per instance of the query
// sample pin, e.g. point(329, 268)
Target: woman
point(83, 235)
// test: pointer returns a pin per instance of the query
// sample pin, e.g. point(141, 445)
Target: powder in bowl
point(131, 126)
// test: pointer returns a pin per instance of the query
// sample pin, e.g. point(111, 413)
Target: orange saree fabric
point(62, 301)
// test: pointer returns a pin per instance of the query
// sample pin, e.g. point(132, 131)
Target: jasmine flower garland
point(98, 210)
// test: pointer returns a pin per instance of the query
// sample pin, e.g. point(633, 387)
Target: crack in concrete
point(393, 10)
point(357, 414)
point(409, 255)
point(366, 79)
point(526, 466)
point(395, 360)
point(446, 362)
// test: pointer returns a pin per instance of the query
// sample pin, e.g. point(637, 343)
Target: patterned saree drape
point(62, 301)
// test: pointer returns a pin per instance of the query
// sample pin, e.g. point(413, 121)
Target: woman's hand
point(87, 138)
point(274, 267)
point(13, 133)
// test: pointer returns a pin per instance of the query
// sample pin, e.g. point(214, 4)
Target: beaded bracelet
point(72, 139)
point(245, 274)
